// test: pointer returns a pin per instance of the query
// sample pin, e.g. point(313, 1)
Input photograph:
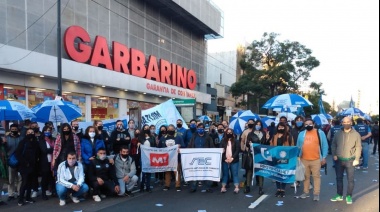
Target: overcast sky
point(343, 35)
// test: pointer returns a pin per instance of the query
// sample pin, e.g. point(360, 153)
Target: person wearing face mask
point(90, 144)
point(365, 133)
point(125, 171)
point(257, 136)
point(247, 154)
point(70, 179)
point(148, 140)
point(295, 131)
point(66, 142)
point(102, 176)
point(170, 140)
point(346, 149)
point(201, 140)
point(11, 142)
point(27, 153)
point(313, 149)
point(131, 128)
point(213, 133)
point(180, 130)
point(119, 137)
point(190, 132)
point(46, 144)
point(37, 133)
point(98, 125)
point(75, 127)
point(230, 160)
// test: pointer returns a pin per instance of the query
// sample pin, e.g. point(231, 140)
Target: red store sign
point(128, 61)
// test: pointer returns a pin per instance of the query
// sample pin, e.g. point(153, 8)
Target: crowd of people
point(74, 163)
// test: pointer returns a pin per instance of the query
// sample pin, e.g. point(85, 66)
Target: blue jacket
point(322, 136)
point(88, 150)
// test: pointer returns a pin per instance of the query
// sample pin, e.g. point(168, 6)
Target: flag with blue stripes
point(275, 162)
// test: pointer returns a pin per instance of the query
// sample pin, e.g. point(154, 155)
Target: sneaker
point(316, 198)
point(129, 193)
point(34, 194)
point(178, 189)
point(31, 201)
point(48, 193)
point(96, 198)
point(337, 198)
point(186, 184)
point(357, 167)
point(200, 184)
point(278, 193)
point(20, 203)
point(165, 188)
point(103, 196)
point(74, 199)
point(304, 196)
point(282, 194)
point(349, 199)
point(62, 202)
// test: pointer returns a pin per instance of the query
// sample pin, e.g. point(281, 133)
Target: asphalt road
point(365, 197)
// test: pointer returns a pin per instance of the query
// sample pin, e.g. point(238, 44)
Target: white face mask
point(102, 157)
point(91, 134)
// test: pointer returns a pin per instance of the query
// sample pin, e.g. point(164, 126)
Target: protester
point(313, 147)
point(190, 132)
point(331, 134)
point(46, 144)
point(162, 133)
point(70, 179)
point(295, 131)
point(119, 137)
point(218, 136)
point(125, 171)
point(75, 127)
point(230, 160)
point(346, 150)
point(134, 151)
point(375, 137)
point(98, 124)
point(131, 128)
point(147, 140)
point(180, 130)
point(247, 164)
point(90, 144)
point(365, 133)
point(37, 133)
point(24, 128)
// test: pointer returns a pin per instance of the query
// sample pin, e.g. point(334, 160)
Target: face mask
point(346, 126)
point(257, 127)
point(71, 162)
point(309, 127)
point(47, 134)
point(179, 125)
point(137, 135)
point(75, 128)
point(102, 157)
point(14, 132)
point(152, 131)
point(229, 135)
point(36, 130)
point(100, 128)
point(30, 136)
point(299, 123)
point(124, 156)
point(193, 126)
point(91, 134)
point(201, 130)
point(250, 126)
point(66, 132)
point(281, 130)
point(220, 131)
point(170, 132)
point(131, 126)
point(147, 131)
point(163, 132)
point(120, 127)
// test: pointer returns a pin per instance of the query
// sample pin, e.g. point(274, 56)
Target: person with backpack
point(365, 133)
point(375, 136)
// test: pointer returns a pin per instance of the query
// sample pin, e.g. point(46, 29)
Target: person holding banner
point(169, 140)
point(201, 139)
point(148, 140)
point(230, 160)
point(119, 137)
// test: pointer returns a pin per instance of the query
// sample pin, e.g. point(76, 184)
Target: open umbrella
point(12, 110)
point(237, 121)
point(328, 116)
point(352, 111)
point(367, 117)
point(267, 120)
point(56, 111)
point(320, 119)
point(204, 118)
point(287, 99)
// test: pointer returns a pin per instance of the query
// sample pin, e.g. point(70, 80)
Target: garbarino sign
point(125, 60)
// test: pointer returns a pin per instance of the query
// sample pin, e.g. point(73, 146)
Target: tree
point(314, 97)
point(273, 67)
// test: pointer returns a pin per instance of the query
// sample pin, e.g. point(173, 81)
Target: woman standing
point(281, 138)
point(98, 125)
point(148, 140)
point(46, 144)
point(230, 160)
point(90, 143)
point(258, 136)
point(27, 153)
point(66, 142)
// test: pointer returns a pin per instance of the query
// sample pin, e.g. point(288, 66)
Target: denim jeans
point(340, 166)
point(234, 167)
point(62, 191)
point(375, 144)
point(365, 151)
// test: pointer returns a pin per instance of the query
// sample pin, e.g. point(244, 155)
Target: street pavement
point(365, 198)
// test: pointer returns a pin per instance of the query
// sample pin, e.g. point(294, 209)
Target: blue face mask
point(47, 134)
point(193, 126)
point(257, 127)
point(200, 130)
point(299, 123)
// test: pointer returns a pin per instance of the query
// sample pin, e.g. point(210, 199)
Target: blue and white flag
point(275, 162)
point(159, 159)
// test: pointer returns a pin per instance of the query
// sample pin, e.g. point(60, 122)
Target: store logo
point(129, 61)
point(159, 159)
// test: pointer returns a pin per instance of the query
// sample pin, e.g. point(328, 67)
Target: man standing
point(313, 147)
point(125, 170)
point(346, 150)
point(365, 133)
point(375, 136)
point(70, 178)
point(76, 130)
point(119, 137)
point(201, 140)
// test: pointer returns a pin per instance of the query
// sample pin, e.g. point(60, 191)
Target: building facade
point(116, 54)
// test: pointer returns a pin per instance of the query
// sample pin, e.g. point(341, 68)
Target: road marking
point(258, 201)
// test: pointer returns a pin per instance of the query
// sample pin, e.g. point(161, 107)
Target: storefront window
point(104, 108)
point(76, 99)
point(142, 105)
point(14, 93)
point(39, 95)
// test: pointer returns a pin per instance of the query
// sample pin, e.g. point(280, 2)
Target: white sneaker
point(34, 194)
point(96, 198)
point(74, 199)
point(62, 202)
point(48, 193)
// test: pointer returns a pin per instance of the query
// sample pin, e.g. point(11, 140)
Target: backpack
point(375, 131)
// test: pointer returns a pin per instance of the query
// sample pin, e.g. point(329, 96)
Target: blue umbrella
point(204, 118)
point(287, 100)
point(328, 116)
point(57, 111)
point(267, 120)
point(352, 111)
point(367, 117)
point(12, 110)
point(319, 119)
point(237, 121)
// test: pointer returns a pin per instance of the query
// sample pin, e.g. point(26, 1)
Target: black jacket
point(102, 169)
point(208, 141)
point(27, 153)
point(44, 151)
point(125, 139)
point(235, 150)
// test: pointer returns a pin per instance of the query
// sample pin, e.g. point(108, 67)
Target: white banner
point(159, 159)
point(201, 164)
